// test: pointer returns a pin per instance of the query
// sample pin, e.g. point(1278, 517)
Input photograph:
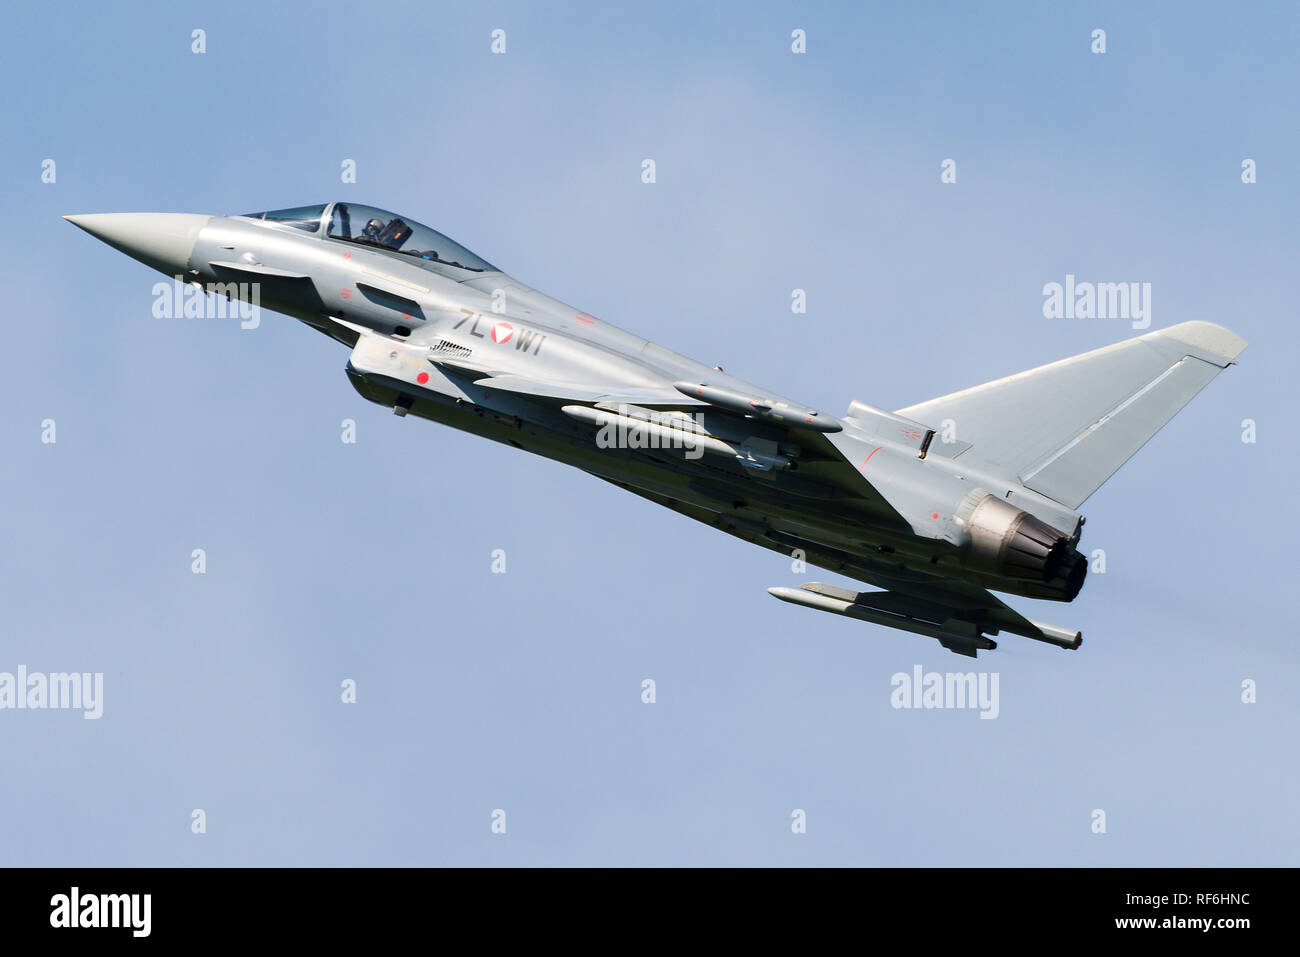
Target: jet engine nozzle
point(1008, 541)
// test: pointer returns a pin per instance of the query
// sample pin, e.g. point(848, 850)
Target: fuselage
point(441, 334)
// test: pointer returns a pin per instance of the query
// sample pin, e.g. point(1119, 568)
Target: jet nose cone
point(161, 240)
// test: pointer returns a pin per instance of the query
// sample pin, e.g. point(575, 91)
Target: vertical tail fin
point(1063, 429)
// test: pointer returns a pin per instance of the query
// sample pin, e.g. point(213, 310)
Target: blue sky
point(521, 691)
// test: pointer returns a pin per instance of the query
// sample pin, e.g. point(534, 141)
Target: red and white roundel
point(502, 332)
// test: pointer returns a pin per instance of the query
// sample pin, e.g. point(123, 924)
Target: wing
point(956, 613)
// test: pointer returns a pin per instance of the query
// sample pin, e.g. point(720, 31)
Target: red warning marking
point(345, 293)
point(935, 515)
point(868, 458)
point(423, 377)
point(347, 255)
point(585, 319)
point(502, 332)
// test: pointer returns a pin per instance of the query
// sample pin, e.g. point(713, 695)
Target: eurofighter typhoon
point(936, 505)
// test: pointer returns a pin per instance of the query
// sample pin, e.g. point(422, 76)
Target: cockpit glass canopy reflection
point(376, 227)
point(301, 217)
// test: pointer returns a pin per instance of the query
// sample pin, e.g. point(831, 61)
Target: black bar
point(337, 906)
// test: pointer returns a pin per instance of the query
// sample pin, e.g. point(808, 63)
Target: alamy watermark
point(179, 299)
point(36, 690)
point(633, 427)
point(128, 911)
point(1100, 300)
point(947, 691)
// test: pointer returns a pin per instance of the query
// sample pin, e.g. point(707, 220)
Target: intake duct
point(1009, 542)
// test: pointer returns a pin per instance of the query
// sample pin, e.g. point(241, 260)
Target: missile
point(720, 427)
point(955, 634)
point(673, 432)
point(760, 408)
point(1070, 638)
point(890, 609)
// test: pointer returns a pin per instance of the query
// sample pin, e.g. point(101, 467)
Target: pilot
point(373, 229)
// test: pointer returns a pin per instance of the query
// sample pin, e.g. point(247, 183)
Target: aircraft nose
point(161, 240)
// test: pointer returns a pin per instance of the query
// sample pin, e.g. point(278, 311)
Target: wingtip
point(1208, 337)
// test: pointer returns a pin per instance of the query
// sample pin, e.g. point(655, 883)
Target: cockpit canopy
point(369, 226)
point(306, 218)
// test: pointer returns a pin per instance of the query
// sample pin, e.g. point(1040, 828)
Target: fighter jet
point(936, 505)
